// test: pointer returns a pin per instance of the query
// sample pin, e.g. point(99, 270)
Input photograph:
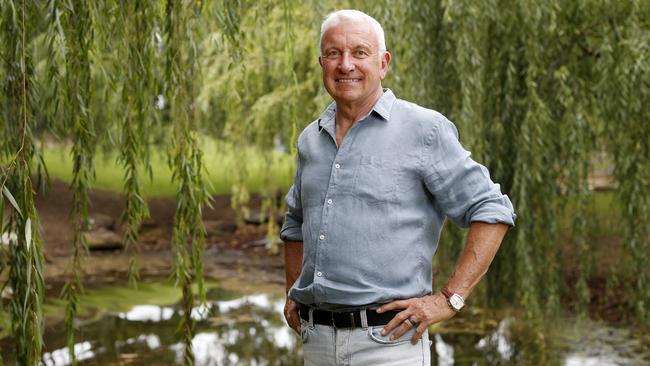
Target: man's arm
point(292, 267)
point(291, 234)
point(483, 241)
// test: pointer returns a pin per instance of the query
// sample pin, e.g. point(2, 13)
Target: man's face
point(352, 66)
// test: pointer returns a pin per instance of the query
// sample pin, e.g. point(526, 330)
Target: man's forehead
point(358, 33)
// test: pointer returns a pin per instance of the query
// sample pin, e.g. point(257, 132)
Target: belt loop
point(311, 318)
point(364, 319)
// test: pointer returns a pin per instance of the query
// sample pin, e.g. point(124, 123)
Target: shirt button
point(337, 165)
point(322, 237)
point(329, 201)
point(319, 274)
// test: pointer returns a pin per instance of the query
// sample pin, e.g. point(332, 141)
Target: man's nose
point(347, 63)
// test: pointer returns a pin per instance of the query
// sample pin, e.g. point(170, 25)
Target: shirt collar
point(382, 108)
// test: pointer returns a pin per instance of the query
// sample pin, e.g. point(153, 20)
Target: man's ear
point(385, 61)
point(320, 61)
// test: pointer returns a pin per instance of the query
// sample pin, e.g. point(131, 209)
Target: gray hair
point(352, 15)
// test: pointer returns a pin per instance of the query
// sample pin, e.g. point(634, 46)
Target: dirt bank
point(229, 250)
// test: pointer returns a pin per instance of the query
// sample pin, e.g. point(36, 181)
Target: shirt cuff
point(291, 234)
point(493, 213)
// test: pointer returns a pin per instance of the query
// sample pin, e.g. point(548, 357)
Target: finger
point(418, 333)
point(297, 322)
point(398, 304)
point(395, 322)
point(405, 327)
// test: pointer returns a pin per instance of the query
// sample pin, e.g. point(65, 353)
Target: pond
point(245, 326)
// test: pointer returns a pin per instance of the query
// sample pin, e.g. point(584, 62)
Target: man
point(376, 178)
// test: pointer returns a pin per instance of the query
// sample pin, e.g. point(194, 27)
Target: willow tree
point(536, 89)
point(21, 159)
point(79, 75)
point(258, 92)
point(185, 158)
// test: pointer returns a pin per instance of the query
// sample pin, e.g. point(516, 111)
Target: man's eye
point(361, 53)
point(332, 54)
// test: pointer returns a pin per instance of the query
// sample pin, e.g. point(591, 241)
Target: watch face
point(456, 302)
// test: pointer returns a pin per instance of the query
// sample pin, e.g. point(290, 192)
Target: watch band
point(454, 300)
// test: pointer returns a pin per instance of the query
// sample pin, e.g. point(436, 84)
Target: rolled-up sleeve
point(462, 188)
point(292, 227)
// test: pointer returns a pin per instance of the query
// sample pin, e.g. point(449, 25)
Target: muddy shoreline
point(230, 250)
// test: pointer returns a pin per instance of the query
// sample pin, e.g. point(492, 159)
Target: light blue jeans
point(362, 346)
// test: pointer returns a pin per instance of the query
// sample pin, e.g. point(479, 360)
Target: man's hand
point(418, 312)
point(292, 314)
point(292, 267)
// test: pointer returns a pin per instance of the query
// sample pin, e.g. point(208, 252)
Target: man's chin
point(346, 95)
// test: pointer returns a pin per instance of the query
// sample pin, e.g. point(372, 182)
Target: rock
point(99, 220)
point(218, 226)
point(149, 223)
point(256, 218)
point(103, 239)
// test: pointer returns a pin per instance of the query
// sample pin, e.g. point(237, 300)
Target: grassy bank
point(222, 162)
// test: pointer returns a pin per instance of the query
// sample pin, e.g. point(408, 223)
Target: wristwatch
point(454, 300)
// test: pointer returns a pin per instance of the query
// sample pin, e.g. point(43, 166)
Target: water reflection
point(151, 313)
point(232, 329)
point(239, 331)
point(444, 351)
point(499, 341)
point(61, 356)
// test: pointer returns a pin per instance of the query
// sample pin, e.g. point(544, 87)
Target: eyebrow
point(356, 47)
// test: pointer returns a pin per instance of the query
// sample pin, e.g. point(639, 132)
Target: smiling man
point(376, 178)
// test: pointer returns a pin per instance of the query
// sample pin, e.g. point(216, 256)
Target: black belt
point(347, 319)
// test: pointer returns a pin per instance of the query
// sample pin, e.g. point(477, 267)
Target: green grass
point(220, 160)
point(603, 213)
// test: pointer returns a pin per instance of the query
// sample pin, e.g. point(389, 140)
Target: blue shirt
point(369, 212)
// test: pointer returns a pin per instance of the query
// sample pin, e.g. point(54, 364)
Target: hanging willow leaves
point(137, 96)
point(77, 30)
point(537, 89)
point(624, 91)
point(185, 159)
point(18, 152)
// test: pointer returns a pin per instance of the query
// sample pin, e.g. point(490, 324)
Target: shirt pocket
point(374, 180)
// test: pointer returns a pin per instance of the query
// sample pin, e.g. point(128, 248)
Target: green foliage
point(137, 99)
point(536, 89)
point(19, 151)
point(185, 159)
point(75, 102)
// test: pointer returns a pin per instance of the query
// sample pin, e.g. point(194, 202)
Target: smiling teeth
point(348, 80)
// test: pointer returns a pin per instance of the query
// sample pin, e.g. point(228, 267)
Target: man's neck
point(348, 114)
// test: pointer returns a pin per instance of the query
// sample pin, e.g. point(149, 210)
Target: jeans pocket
point(374, 333)
point(304, 331)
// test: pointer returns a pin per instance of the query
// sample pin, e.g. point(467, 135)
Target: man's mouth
point(348, 81)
